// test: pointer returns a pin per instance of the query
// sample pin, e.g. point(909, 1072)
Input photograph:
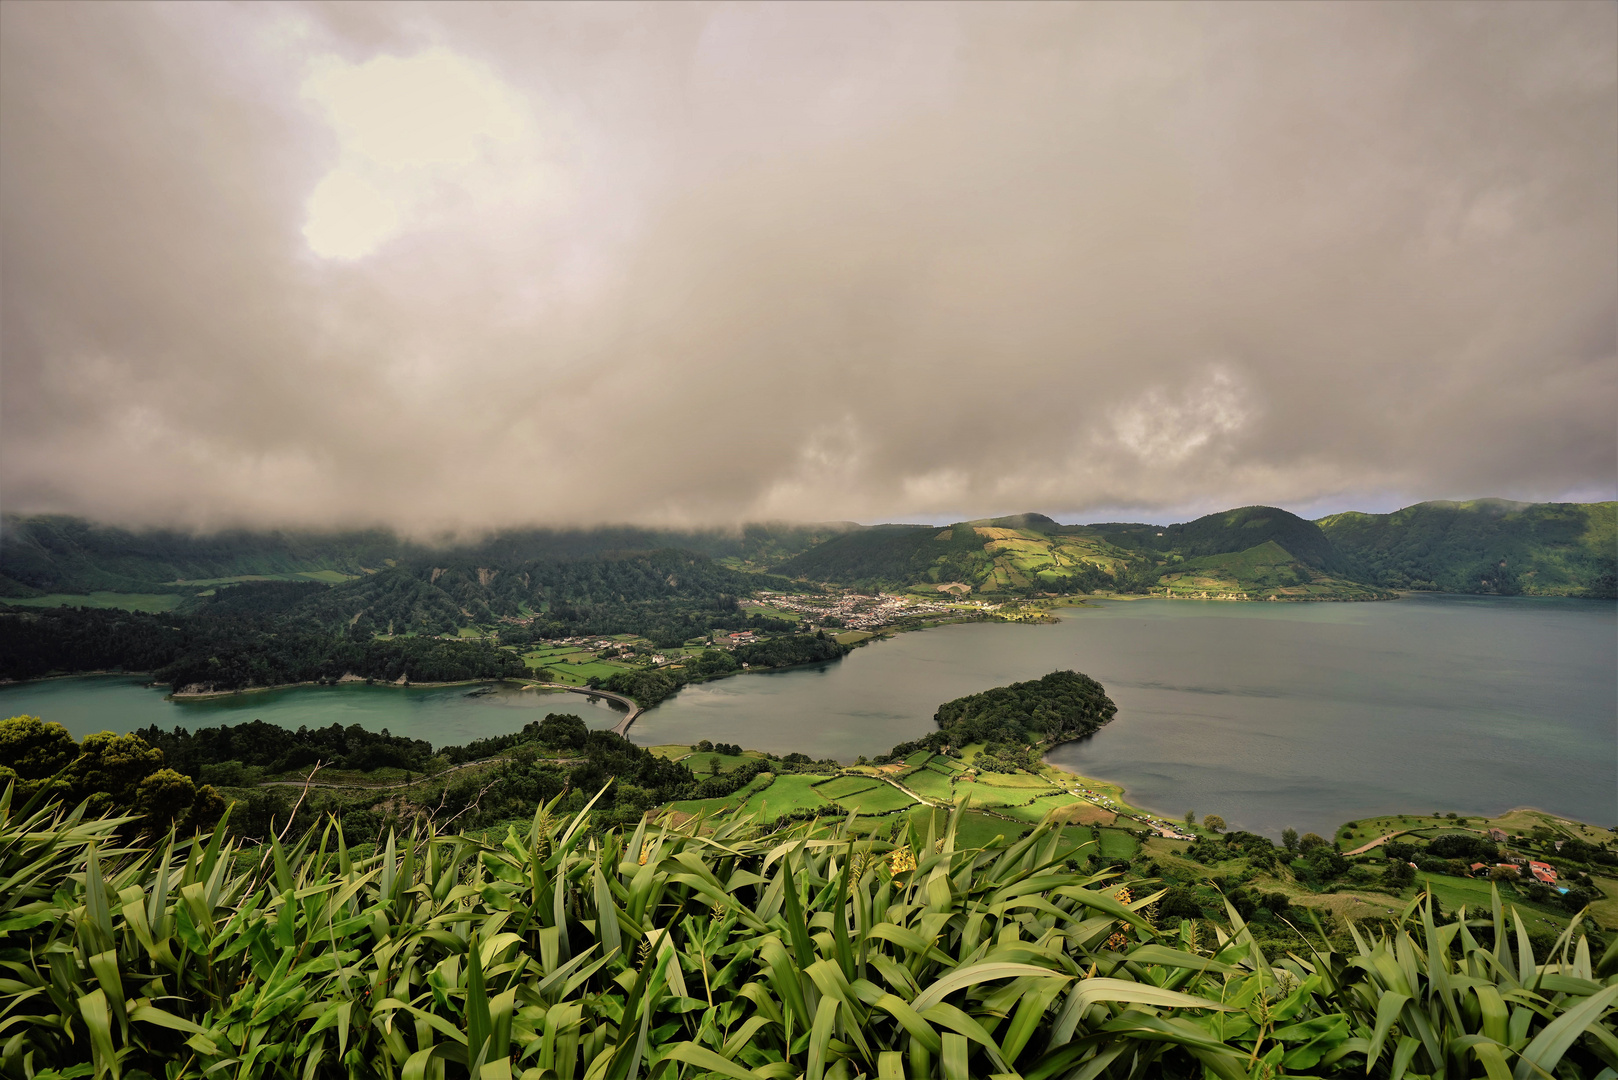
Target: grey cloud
point(819, 261)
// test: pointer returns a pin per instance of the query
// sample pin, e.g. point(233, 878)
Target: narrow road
point(622, 727)
point(1378, 842)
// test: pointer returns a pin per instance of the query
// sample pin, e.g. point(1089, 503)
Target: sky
point(459, 267)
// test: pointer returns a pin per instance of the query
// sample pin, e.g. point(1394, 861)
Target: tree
point(1504, 873)
point(1311, 841)
point(1289, 839)
point(109, 769)
point(1190, 817)
point(563, 730)
point(164, 797)
point(1213, 823)
point(33, 751)
point(1326, 863)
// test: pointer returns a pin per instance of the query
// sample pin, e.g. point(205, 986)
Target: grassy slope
point(1260, 572)
point(990, 556)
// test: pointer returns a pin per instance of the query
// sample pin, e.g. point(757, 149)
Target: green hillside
point(1230, 531)
point(55, 555)
point(1026, 553)
point(1266, 571)
point(1256, 552)
point(52, 554)
point(1483, 546)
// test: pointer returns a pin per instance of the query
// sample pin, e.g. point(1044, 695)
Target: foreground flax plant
point(717, 952)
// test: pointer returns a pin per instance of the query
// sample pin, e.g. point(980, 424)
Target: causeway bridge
point(622, 727)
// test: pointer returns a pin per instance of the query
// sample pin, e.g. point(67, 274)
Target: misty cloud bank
point(460, 266)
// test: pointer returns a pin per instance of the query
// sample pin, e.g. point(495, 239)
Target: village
point(858, 611)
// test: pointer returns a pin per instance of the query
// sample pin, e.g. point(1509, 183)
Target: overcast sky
point(464, 266)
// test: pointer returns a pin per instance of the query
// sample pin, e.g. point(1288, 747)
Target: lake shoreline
point(213, 695)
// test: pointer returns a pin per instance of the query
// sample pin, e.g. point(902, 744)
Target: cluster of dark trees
point(160, 774)
point(668, 596)
point(273, 659)
point(40, 641)
point(788, 651)
point(270, 632)
point(247, 640)
point(1260, 849)
point(653, 685)
point(883, 554)
point(1458, 846)
point(706, 747)
point(1183, 902)
point(120, 774)
point(1063, 705)
point(211, 751)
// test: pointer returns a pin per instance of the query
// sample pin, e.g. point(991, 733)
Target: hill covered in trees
point(1484, 546)
point(56, 554)
point(1258, 552)
point(1255, 552)
point(667, 584)
point(1021, 719)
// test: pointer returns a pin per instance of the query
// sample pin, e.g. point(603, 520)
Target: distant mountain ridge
point(55, 554)
point(1486, 546)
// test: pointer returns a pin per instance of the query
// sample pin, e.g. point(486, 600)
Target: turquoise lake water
point(1267, 714)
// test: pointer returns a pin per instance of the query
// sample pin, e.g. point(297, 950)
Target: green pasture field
point(1434, 834)
point(788, 794)
point(920, 757)
point(1118, 844)
point(727, 804)
point(771, 612)
point(546, 656)
point(560, 674)
point(147, 602)
point(330, 577)
point(840, 786)
point(971, 831)
point(929, 784)
point(1015, 780)
point(882, 799)
point(1474, 893)
point(699, 762)
point(990, 795)
point(601, 669)
point(1035, 812)
point(853, 637)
